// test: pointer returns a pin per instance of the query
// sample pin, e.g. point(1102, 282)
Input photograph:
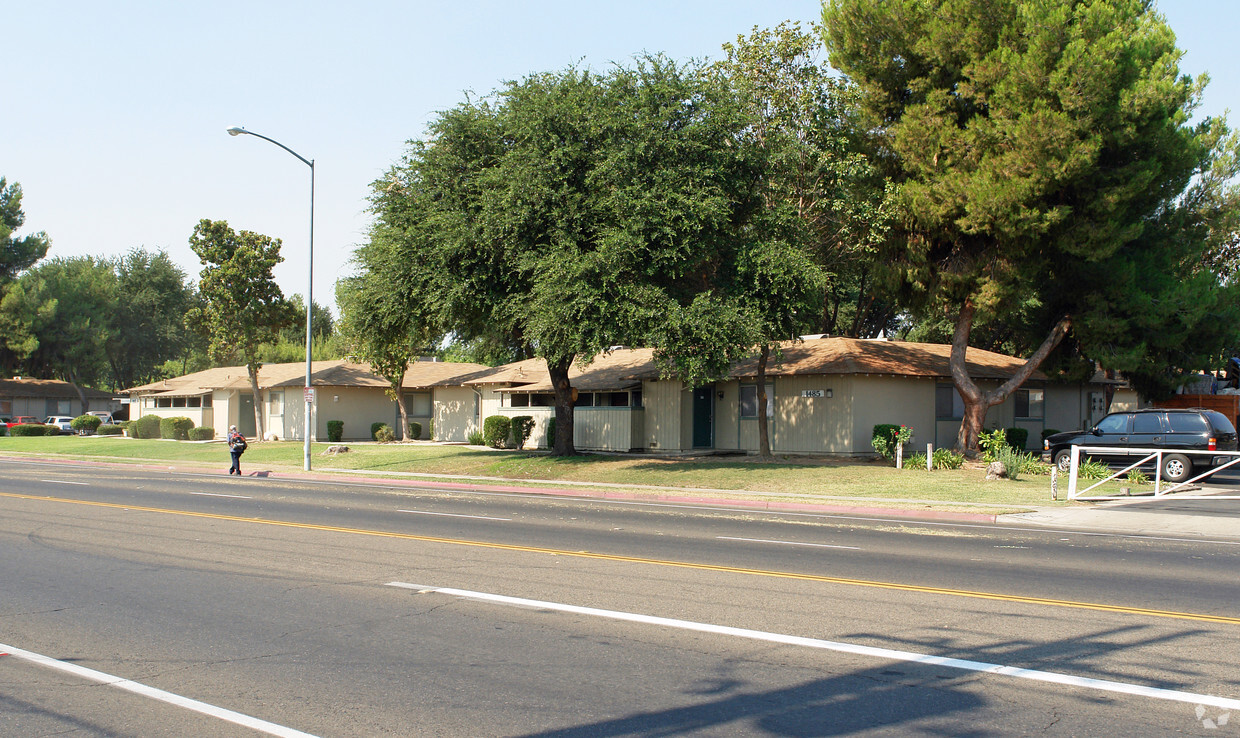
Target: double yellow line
point(656, 562)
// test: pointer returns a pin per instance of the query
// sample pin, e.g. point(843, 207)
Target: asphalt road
point(352, 610)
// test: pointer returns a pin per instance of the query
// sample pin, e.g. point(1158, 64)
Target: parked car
point(62, 421)
point(1122, 435)
point(23, 420)
point(103, 415)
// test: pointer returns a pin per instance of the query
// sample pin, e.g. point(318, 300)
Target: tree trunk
point(81, 395)
point(563, 407)
point(394, 384)
point(976, 402)
point(252, 370)
point(764, 433)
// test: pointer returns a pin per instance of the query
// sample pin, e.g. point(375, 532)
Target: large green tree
point(148, 316)
point(380, 320)
point(16, 254)
point(574, 211)
point(242, 306)
point(1040, 153)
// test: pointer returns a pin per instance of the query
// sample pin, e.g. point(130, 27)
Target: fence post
point(899, 454)
point(1054, 482)
point(929, 457)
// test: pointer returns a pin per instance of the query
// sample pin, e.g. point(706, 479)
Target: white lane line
point(1104, 685)
point(62, 481)
point(453, 515)
point(216, 494)
point(156, 694)
point(785, 543)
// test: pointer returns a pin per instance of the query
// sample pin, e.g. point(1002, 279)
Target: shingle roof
point(837, 355)
point(336, 373)
point(616, 369)
point(27, 387)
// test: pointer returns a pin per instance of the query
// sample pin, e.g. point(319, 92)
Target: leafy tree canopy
point(16, 254)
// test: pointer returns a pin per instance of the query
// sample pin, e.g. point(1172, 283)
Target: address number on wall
point(813, 393)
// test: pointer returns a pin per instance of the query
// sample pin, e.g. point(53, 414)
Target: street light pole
point(308, 390)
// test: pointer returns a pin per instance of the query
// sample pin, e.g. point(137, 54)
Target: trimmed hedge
point(86, 423)
point(34, 429)
point(175, 428)
point(384, 433)
point(522, 429)
point(203, 433)
point(550, 432)
point(415, 431)
point(110, 430)
point(495, 431)
point(374, 430)
point(146, 426)
point(335, 431)
point(1016, 438)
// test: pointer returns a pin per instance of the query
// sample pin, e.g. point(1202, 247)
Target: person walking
point(236, 447)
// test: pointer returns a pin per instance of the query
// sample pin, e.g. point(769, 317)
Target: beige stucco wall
point(895, 400)
point(358, 407)
point(455, 413)
point(808, 424)
point(664, 401)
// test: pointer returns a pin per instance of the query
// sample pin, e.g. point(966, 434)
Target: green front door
point(245, 415)
point(704, 417)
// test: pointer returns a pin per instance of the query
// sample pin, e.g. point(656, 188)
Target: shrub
point(176, 428)
point(205, 433)
point(1016, 438)
point(4, 429)
point(335, 431)
point(916, 461)
point(384, 433)
point(146, 426)
point(1136, 476)
point(495, 431)
point(430, 429)
point(32, 429)
point(475, 438)
point(1090, 469)
point(882, 439)
point(945, 458)
point(86, 423)
point(110, 430)
point(550, 432)
point(522, 428)
point(415, 431)
point(992, 443)
point(1010, 459)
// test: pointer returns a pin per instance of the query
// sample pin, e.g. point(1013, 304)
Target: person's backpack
point(238, 442)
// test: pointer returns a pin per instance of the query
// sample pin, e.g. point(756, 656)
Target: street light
point(309, 390)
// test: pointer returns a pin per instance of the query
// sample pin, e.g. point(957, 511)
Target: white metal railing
point(1157, 454)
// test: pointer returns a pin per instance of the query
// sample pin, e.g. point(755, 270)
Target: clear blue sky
point(115, 113)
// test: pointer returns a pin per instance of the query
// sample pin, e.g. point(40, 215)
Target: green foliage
point(415, 431)
point(16, 254)
point(374, 430)
point(1016, 437)
point(1136, 476)
point(86, 423)
point(32, 429)
point(4, 429)
point(992, 443)
point(1091, 469)
point(384, 433)
point(335, 431)
point(522, 428)
point(1045, 175)
point(945, 458)
point(110, 430)
point(475, 438)
point(916, 461)
point(885, 437)
point(147, 426)
point(551, 432)
point(176, 428)
point(202, 433)
point(496, 430)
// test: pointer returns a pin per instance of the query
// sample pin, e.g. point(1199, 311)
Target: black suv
point(1124, 433)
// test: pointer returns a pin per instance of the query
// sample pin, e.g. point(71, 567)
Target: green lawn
point(801, 479)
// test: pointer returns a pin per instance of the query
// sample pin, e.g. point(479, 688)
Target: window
point(1114, 423)
point(948, 404)
point(615, 399)
point(1187, 423)
point(6, 407)
point(749, 401)
point(275, 402)
point(418, 404)
point(178, 402)
point(635, 398)
point(542, 400)
point(193, 402)
point(163, 402)
point(584, 399)
point(1147, 423)
point(206, 400)
point(1030, 403)
point(516, 400)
